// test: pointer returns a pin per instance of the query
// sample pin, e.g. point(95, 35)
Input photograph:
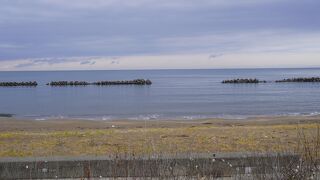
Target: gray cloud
point(41, 61)
point(23, 65)
point(88, 62)
point(213, 56)
point(79, 28)
point(115, 62)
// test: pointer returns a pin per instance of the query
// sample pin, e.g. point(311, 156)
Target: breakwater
point(288, 80)
point(301, 79)
point(243, 81)
point(68, 83)
point(79, 83)
point(12, 84)
point(101, 83)
point(131, 82)
point(5, 115)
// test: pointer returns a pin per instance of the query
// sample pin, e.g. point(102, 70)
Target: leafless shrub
point(302, 163)
point(299, 164)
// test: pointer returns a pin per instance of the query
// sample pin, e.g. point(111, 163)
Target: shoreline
point(156, 117)
point(18, 124)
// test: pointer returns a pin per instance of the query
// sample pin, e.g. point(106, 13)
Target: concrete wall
point(211, 165)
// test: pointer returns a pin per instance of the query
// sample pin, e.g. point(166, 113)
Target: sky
point(158, 34)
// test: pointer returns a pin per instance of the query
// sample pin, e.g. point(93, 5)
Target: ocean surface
point(174, 94)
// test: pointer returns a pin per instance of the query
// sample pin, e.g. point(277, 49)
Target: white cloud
point(173, 61)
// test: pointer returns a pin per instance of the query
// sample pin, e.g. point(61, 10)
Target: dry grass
point(303, 139)
point(137, 140)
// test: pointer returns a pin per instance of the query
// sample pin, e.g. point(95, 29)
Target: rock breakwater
point(15, 84)
point(101, 83)
point(243, 81)
point(130, 82)
point(68, 83)
point(300, 79)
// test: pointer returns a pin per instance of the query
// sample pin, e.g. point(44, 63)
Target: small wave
point(313, 114)
point(165, 117)
point(106, 118)
point(302, 114)
point(41, 119)
point(193, 117)
point(146, 117)
point(188, 117)
point(239, 117)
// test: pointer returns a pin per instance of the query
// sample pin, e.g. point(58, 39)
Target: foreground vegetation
point(297, 142)
point(144, 140)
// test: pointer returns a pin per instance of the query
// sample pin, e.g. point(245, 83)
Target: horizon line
point(232, 68)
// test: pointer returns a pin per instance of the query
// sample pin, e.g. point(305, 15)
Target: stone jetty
point(6, 115)
point(16, 84)
point(130, 82)
point(311, 79)
point(243, 81)
point(68, 83)
point(100, 83)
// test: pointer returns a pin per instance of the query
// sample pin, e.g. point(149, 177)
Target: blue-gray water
point(174, 94)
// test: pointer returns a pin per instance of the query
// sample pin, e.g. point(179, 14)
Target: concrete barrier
point(190, 165)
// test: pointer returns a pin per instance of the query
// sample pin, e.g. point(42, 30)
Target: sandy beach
point(22, 138)
point(14, 124)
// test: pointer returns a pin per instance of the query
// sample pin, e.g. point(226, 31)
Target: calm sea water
point(174, 94)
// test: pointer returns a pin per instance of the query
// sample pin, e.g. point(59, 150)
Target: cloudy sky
point(158, 34)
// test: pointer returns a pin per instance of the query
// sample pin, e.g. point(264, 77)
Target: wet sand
point(13, 124)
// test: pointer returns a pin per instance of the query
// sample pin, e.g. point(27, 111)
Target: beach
point(71, 137)
point(172, 89)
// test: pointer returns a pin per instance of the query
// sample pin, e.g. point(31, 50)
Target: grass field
point(152, 137)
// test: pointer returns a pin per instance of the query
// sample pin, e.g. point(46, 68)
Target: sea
point(174, 94)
